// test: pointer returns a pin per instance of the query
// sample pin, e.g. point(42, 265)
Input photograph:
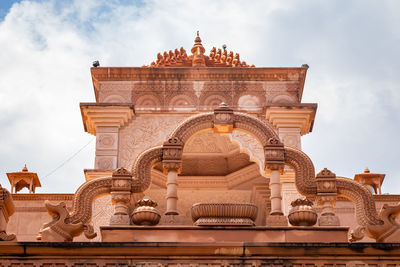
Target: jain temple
point(199, 163)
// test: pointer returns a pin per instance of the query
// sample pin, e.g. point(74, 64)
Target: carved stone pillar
point(274, 163)
point(121, 195)
point(276, 196)
point(326, 197)
point(172, 159)
point(6, 210)
point(172, 191)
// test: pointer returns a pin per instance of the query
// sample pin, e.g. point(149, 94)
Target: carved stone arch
point(304, 171)
point(380, 226)
point(68, 224)
point(141, 170)
point(240, 121)
point(283, 98)
point(211, 100)
point(182, 101)
point(115, 99)
point(249, 100)
point(148, 101)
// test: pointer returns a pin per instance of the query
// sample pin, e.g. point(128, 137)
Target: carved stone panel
point(106, 162)
point(142, 133)
point(107, 141)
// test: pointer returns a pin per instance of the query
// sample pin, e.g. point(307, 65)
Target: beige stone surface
point(224, 234)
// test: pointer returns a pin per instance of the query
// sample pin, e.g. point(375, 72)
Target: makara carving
point(6, 210)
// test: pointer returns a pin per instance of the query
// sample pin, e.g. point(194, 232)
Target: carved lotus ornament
point(218, 214)
point(146, 213)
point(302, 213)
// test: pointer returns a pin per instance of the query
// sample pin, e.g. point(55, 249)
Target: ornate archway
point(325, 186)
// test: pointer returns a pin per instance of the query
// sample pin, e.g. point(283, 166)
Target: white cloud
point(47, 48)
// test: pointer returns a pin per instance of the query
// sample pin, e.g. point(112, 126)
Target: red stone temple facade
point(199, 162)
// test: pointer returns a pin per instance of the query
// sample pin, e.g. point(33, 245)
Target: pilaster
point(104, 121)
point(291, 121)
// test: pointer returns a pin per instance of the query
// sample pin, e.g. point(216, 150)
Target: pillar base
point(120, 219)
point(277, 220)
point(171, 212)
point(329, 220)
point(173, 219)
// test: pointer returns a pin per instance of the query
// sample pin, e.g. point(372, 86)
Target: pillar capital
point(274, 153)
point(326, 182)
point(172, 154)
point(299, 116)
point(95, 115)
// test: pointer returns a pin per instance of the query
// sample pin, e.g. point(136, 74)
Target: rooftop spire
point(198, 53)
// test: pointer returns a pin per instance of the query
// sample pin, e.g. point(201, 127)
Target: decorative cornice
point(112, 114)
point(102, 74)
point(61, 197)
point(300, 116)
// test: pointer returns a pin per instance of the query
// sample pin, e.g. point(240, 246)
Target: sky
point(47, 47)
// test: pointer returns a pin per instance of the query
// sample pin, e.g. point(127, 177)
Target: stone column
point(172, 159)
point(274, 163)
point(121, 195)
point(172, 192)
point(276, 197)
point(326, 197)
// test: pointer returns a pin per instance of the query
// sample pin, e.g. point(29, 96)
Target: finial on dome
point(367, 170)
point(198, 39)
point(25, 169)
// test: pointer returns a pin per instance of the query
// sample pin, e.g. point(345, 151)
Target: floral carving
point(141, 134)
point(106, 140)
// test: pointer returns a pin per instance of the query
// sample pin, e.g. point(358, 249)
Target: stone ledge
point(181, 250)
point(223, 234)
